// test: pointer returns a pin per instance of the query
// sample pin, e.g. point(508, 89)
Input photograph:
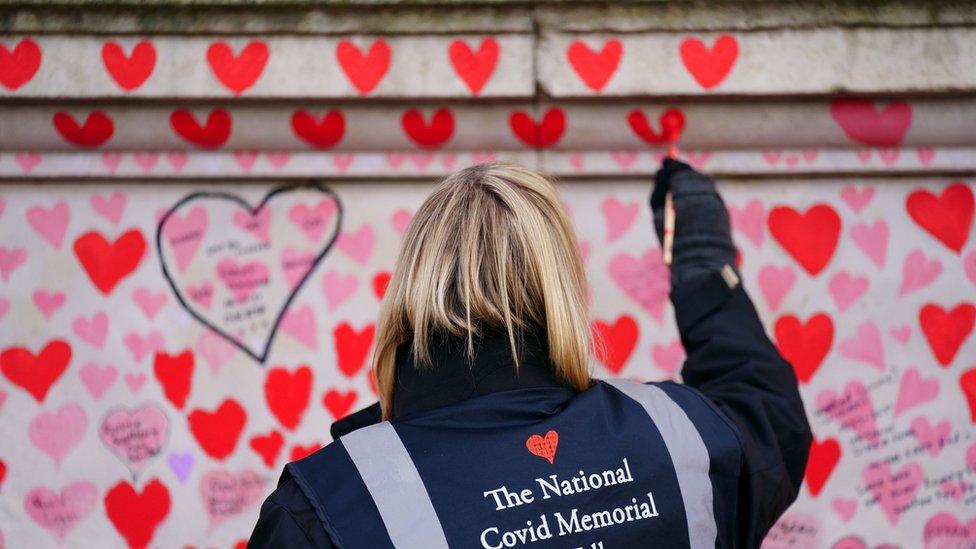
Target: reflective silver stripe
point(688, 455)
point(397, 489)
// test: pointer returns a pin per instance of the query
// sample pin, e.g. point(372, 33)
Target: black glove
point(702, 236)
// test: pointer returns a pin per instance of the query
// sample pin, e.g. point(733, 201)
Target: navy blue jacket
point(477, 457)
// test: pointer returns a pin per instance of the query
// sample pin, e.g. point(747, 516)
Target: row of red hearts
point(238, 72)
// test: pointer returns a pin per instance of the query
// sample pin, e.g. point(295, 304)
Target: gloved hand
point(702, 235)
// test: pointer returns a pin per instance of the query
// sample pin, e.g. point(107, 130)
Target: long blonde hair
point(490, 247)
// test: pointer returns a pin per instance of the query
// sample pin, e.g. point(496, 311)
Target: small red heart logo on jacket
point(544, 446)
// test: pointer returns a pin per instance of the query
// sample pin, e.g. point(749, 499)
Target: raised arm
point(730, 358)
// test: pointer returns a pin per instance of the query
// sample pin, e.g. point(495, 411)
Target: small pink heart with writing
point(853, 409)
point(201, 294)
point(872, 240)
point(97, 379)
point(296, 265)
point(91, 331)
point(59, 513)
point(846, 288)
point(865, 346)
point(57, 433)
point(257, 224)
point(337, 288)
point(893, 491)
point(135, 436)
point(945, 531)
point(618, 216)
point(749, 220)
point(955, 491)
point(856, 198)
point(134, 381)
point(357, 245)
point(185, 234)
point(845, 508)
point(149, 302)
point(668, 357)
point(242, 279)
point(48, 302)
point(932, 438)
point(140, 346)
point(300, 324)
point(914, 390)
point(110, 208)
point(50, 223)
point(918, 272)
point(227, 495)
point(315, 220)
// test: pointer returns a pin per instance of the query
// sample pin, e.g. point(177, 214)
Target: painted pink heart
point(772, 157)
point(845, 508)
point(357, 245)
point(624, 159)
point(932, 438)
point(969, 266)
point(914, 390)
point(395, 159)
point(50, 223)
point(337, 288)
point(853, 409)
point(698, 159)
point(98, 379)
point(140, 346)
point(242, 279)
point(315, 220)
point(480, 157)
point(201, 294)
point(955, 491)
point(296, 265)
point(865, 346)
point(227, 495)
point(794, 531)
point(4, 307)
point(136, 436)
point(91, 331)
point(300, 324)
point(618, 216)
point(134, 380)
point(278, 160)
point(145, 160)
point(645, 280)
point(421, 160)
point(148, 301)
point(668, 357)
point(28, 161)
point(110, 208)
point(749, 220)
point(60, 513)
point(246, 159)
point(215, 351)
point(401, 220)
point(177, 160)
point(185, 234)
point(918, 272)
point(447, 160)
point(864, 122)
point(857, 198)
point(57, 433)
point(845, 289)
point(576, 161)
point(257, 224)
point(111, 161)
point(343, 161)
point(10, 260)
point(902, 333)
point(889, 156)
point(893, 491)
point(872, 240)
point(971, 457)
point(925, 155)
point(48, 302)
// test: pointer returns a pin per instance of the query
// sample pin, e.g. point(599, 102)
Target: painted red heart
point(136, 515)
point(672, 121)
point(36, 373)
point(94, 132)
point(804, 345)
point(544, 447)
point(175, 374)
point(810, 237)
point(821, 463)
point(268, 447)
point(429, 136)
point(217, 432)
point(323, 133)
point(616, 341)
point(364, 71)
point(19, 66)
point(300, 451)
point(595, 68)
point(212, 135)
point(863, 123)
point(129, 71)
point(238, 72)
point(967, 382)
point(946, 331)
point(3, 472)
point(380, 282)
point(709, 67)
point(948, 217)
point(287, 394)
point(474, 68)
point(338, 403)
point(108, 263)
point(542, 135)
point(352, 346)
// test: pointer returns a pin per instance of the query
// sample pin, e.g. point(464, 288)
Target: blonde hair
point(490, 247)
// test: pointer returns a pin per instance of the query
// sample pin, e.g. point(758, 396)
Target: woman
point(490, 432)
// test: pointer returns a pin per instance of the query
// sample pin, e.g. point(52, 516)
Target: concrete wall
point(145, 144)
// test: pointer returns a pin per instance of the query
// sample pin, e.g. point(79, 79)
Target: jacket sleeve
point(732, 362)
point(288, 520)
